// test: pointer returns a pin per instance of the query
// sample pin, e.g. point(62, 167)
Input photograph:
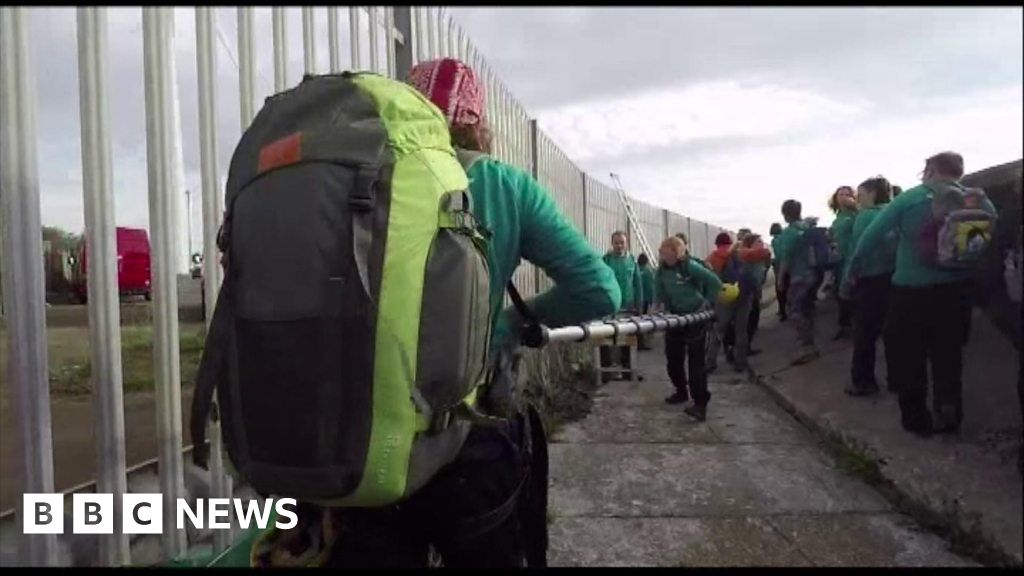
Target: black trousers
point(927, 324)
point(872, 297)
point(781, 293)
point(684, 352)
point(483, 477)
point(845, 312)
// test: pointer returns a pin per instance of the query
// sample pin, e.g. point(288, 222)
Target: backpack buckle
point(363, 194)
point(439, 422)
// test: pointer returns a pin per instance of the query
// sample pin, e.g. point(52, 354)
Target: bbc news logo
point(144, 513)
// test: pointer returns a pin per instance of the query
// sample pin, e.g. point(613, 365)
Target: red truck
point(133, 265)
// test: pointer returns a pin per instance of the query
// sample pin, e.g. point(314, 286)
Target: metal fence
point(388, 40)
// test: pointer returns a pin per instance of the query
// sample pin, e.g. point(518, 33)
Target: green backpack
point(350, 334)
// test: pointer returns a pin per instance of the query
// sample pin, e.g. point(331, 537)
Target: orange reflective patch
point(287, 150)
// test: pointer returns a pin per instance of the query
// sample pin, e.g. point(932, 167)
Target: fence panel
point(562, 179)
point(698, 238)
point(652, 222)
point(605, 214)
point(678, 223)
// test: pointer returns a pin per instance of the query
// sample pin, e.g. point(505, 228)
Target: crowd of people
point(899, 265)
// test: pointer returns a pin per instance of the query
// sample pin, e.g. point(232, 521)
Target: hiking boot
point(754, 352)
point(697, 411)
point(805, 355)
point(740, 368)
point(945, 421)
point(678, 398)
point(843, 334)
point(730, 356)
point(920, 426)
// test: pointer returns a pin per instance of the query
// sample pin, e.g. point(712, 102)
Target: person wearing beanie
point(727, 262)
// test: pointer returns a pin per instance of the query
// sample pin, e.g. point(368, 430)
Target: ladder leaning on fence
point(631, 215)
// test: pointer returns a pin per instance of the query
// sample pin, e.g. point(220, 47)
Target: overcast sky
point(717, 113)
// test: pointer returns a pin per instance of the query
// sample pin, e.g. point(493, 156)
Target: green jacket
point(525, 223)
point(683, 288)
point(842, 232)
point(906, 214)
point(647, 281)
point(627, 273)
point(791, 250)
point(880, 262)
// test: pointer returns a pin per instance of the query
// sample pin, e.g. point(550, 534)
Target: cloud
point(736, 187)
point(671, 117)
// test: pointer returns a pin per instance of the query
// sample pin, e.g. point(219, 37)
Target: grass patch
point(853, 458)
point(949, 521)
point(72, 377)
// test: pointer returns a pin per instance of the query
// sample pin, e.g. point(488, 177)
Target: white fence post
point(157, 47)
point(103, 292)
point(280, 49)
point(245, 65)
point(308, 40)
point(24, 305)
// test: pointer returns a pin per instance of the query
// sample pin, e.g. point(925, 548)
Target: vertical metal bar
point(403, 48)
point(503, 126)
point(534, 151)
point(308, 41)
point(431, 33)
point(355, 36)
point(280, 49)
point(420, 16)
point(451, 38)
point(534, 170)
point(332, 36)
point(389, 40)
point(495, 120)
point(246, 65)
point(104, 304)
point(159, 148)
point(442, 44)
point(586, 211)
point(374, 44)
point(206, 66)
point(24, 300)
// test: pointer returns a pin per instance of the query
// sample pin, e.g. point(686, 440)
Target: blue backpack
point(733, 273)
point(821, 252)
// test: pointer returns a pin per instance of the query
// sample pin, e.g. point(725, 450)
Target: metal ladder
point(631, 215)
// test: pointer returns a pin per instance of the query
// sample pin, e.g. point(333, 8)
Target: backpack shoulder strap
point(212, 367)
point(520, 304)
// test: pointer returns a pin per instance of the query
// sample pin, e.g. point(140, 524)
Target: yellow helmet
point(729, 293)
